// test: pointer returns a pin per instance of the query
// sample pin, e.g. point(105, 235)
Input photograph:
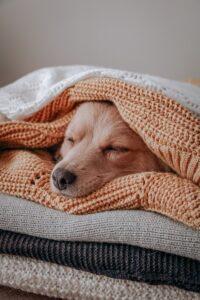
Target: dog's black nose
point(62, 178)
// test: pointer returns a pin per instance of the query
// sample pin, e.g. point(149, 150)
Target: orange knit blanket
point(169, 130)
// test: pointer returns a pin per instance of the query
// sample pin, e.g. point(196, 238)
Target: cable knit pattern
point(169, 130)
point(52, 280)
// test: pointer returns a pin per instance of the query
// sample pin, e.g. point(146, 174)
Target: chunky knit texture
point(169, 130)
point(113, 260)
point(67, 283)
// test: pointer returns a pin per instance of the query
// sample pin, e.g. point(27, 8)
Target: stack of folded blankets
point(138, 237)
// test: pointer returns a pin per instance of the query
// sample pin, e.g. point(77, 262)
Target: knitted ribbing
point(114, 260)
point(169, 130)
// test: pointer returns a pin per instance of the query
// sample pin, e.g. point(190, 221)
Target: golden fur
point(98, 147)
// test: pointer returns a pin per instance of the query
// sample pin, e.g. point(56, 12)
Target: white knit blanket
point(33, 91)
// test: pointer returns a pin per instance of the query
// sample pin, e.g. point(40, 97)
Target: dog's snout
point(62, 178)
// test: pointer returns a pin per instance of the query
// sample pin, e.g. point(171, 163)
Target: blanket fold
point(113, 260)
point(133, 227)
point(66, 283)
point(170, 130)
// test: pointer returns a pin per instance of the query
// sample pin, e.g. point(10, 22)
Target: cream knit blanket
point(150, 106)
point(52, 280)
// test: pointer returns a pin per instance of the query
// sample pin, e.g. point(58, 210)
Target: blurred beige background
point(160, 37)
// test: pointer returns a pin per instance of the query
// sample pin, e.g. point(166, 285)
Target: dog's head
point(98, 147)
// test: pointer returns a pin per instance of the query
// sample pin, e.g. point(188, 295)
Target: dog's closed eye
point(115, 149)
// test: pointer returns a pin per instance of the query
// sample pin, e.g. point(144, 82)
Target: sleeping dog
point(98, 147)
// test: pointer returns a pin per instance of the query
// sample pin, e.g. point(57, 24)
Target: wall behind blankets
point(150, 36)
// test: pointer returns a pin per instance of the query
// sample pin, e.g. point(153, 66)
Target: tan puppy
point(98, 147)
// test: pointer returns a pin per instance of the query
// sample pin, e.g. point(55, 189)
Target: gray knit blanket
point(135, 227)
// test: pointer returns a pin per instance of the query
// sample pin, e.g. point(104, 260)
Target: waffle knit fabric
point(66, 283)
point(113, 260)
point(168, 129)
